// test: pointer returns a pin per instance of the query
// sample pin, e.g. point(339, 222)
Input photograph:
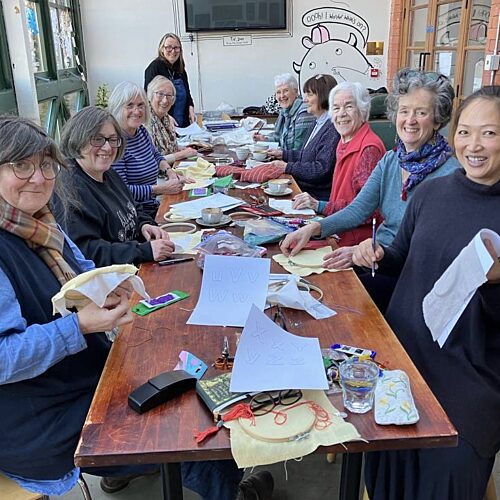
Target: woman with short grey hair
point(421, 153)
point(294, 123)
point(141, 161)
point(161, 95)
point(105, 222)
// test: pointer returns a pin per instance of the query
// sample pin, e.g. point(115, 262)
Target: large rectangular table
point(113, 434)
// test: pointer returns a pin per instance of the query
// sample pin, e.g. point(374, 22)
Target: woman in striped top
point(141, 161)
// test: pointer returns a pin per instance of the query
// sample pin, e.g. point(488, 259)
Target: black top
point(41, 418)
point(106, 225)
point(441, 219)
point(161, 67)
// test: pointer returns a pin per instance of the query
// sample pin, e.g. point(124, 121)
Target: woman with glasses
point(170, 64)
point(50, 365)
point(161, 95)
point(312, 166)
point(104, 221)
point(419, 105)
point(464, 373)
point(141, 161)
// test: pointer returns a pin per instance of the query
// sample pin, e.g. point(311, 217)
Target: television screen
point(234, 15)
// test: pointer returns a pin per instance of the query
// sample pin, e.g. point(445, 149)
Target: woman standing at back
point(170, 63)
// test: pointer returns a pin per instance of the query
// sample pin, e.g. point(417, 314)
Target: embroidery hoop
point(295, 429)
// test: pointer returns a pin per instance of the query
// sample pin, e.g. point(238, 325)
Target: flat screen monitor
point(234, 15)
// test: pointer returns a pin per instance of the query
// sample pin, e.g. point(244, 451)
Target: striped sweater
point(139, 168)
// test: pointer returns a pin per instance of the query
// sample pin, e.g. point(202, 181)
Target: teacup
point(211, 215)
point(242, 153)
point(277, 186)
point(259, 155)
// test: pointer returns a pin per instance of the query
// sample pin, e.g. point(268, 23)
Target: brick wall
point(394, 49)
point(490, 44)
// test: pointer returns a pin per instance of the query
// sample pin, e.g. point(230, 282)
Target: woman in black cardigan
point(170, 63)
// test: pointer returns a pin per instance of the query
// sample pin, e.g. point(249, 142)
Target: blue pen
point(374, 242)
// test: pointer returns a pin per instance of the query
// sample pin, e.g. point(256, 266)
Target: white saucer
point(224, 220)
point(286, 192)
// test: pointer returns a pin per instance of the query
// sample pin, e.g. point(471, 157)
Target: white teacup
point(259, 155)
point(242, 153)
point(211, 215)
point(277, 186)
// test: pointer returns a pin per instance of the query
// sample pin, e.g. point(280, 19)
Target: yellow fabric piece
point(186, 241)
point(305, 262)
point(202, 170)
point(249, 451)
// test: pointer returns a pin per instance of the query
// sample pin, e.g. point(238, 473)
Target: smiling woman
point(104, 221)
point(42, 409)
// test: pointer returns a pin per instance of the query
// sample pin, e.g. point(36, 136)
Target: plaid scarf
point(423, 161)
point(163, 133)
point(41, 234)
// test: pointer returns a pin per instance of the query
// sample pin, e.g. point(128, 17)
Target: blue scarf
point(423, 161)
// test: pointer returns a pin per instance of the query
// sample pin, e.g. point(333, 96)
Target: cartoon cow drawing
point(339, 58)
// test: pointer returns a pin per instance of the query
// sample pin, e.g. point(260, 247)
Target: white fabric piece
point(290, 296)
point(452, 292)
point(95, 286)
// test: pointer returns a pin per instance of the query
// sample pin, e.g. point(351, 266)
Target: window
point(7, 97)
point(57, 59)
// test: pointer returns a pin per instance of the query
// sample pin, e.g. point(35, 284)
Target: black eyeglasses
point(265, 402)
point(99, 140)
point(24, 169)
point(163, 95)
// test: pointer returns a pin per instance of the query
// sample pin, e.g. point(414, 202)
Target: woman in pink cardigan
point(358, 152)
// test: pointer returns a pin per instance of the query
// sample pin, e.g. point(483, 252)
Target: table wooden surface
point(114, 434)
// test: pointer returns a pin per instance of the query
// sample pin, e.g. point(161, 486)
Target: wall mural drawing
point(335, 46)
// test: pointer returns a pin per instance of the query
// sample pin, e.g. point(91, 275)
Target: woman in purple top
point(141, 161)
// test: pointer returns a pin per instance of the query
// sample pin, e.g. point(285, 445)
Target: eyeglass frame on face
point(103, 140)
point(13, 164)
point(264, 407)
point(170, 48)
point(161, 95)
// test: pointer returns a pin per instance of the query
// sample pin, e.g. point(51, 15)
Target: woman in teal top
point(420, 104)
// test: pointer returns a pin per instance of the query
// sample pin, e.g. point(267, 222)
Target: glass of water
point(358, 379)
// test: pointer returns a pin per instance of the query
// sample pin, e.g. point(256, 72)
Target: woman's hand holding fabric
point(93, 318)
point(185, 153)
point(161, 249)
point(341, 258)
point(294, 242)
point(305, 200)
point(278, 164)
point(493, 274)
point(364, 255)
point(151, 232)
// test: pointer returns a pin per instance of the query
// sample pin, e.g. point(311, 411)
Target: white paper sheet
point(229, 287)
point(285, 206)
point(193, 129)
point(193, 208)
point(268, 358)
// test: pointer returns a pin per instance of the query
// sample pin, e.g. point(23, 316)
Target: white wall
point(121, 38)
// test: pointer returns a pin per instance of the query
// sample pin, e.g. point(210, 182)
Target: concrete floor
point(311, 479)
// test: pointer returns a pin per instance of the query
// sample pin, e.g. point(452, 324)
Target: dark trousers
point(379, 287)
point(428, 474)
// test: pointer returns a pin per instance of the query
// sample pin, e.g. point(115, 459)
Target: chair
point(386, 131)
point(10, 490)
point(378, 107)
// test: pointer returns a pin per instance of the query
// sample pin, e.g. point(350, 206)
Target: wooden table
point(113, 434)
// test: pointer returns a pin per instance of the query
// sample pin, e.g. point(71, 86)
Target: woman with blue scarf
point(420, 104)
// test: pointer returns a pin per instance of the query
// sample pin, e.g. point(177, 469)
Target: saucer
point(286, 192)
point(224, 220)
